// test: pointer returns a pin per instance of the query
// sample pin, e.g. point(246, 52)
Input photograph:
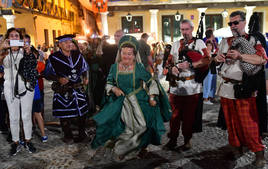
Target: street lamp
point(177, 16)
point(224, 13)
point(129, 17)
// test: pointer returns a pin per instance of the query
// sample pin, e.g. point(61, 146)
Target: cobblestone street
point(209, 151)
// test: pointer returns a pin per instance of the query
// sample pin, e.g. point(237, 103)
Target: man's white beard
point(186, 37)
point(235, 32)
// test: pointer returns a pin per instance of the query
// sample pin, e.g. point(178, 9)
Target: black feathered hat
point(65, 37)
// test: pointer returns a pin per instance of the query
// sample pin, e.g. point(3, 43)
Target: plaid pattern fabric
point(245, 47)
point(242, 123)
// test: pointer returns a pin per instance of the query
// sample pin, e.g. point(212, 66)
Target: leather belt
point(185, 78)
point(231, 80)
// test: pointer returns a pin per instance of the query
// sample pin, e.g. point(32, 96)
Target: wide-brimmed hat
point(65, 37)
point(127, 39)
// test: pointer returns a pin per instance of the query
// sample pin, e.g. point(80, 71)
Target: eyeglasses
point(234, 22)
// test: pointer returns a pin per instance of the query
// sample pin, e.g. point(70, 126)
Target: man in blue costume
point(65, 68)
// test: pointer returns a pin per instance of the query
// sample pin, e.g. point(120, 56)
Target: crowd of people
point(118, 87)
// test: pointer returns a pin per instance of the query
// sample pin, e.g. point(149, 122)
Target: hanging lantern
point(224, 13)
point(177, 16)
point(129, 17)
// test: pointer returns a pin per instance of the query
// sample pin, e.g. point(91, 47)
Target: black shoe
point(92, 123)
point(9, 138)
point(170, 145)
point(68, 140)
point(234, 154)
point(81, 137)
point(15, 148)
point(30, 147)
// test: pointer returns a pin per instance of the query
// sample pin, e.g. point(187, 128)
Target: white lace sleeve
point(108, 88)
point(153, 88)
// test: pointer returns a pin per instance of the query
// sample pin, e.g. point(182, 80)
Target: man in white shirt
point(184, 96)
point(241, 114)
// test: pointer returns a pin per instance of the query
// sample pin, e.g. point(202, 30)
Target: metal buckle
point(183, 79)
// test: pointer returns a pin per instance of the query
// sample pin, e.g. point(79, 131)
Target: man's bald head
point(118, 35)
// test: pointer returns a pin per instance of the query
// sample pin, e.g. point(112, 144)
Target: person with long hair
point(19, 99)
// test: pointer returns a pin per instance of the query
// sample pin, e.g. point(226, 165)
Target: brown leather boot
point(187, 145)
point(260, 160)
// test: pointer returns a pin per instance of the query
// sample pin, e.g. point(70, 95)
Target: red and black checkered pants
point(242, 120)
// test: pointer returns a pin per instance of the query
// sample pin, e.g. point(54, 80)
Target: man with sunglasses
point(241, 114)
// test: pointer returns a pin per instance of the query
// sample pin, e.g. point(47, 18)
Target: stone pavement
point(209, 151)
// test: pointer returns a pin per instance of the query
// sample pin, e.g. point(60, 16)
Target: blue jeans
point(209, 85)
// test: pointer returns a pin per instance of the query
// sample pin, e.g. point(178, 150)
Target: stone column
point(104, 22)
point(200, 10)
point(154, 24)
point(249, 12)
point(10, 20)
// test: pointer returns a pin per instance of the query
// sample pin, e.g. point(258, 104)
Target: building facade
point(44, 20)
point(157, 17)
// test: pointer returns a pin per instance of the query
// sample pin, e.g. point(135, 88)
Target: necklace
point(125, 67)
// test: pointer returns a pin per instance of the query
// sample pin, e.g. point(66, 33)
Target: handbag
point(27, 70)
point(249, 85)
point(241, 91)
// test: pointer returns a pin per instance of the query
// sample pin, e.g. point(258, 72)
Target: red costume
point(184, 98)
point(241, 115)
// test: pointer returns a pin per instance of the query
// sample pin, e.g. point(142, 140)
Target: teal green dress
point(129, 121)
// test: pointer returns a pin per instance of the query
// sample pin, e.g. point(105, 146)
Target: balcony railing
point(42, 7)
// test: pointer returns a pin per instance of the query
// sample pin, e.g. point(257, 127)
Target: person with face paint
point(68, 69)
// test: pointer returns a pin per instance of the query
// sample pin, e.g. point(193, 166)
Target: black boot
point(68, 135)
point(235, 153)
point(172, 143)
point(81, 127)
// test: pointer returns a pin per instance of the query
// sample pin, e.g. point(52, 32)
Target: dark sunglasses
point(234, 22)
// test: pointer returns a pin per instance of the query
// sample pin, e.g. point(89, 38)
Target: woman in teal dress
point(135, 108)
